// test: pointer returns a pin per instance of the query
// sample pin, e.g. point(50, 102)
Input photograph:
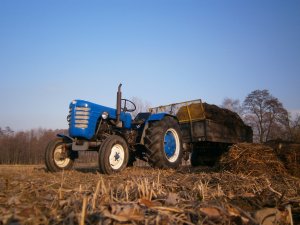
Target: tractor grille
point(81, 117)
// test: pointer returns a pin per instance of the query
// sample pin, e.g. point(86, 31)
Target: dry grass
point(140, 196)
point(253, 159)
point(250, 187)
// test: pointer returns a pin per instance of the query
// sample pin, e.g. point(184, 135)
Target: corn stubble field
point(250, 185)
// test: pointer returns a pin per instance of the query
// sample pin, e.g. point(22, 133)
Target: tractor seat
point(140, 118)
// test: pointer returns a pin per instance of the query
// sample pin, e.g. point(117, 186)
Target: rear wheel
point(113, 155)
point(164, 143)
point(57, 156)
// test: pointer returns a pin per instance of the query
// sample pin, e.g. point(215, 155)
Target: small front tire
point(57, 156)
point(113, 155)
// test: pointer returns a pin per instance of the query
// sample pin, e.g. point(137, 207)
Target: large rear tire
point(164, 143)
point(113, 155)
point(57, 156)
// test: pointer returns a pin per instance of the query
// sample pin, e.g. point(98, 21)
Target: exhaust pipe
point(119, 97)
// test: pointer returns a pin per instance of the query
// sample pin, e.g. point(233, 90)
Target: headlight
point(104, 115)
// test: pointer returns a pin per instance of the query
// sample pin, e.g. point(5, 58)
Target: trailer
point(207, 130)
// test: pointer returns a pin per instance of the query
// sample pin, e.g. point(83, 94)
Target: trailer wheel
point(199, 158)
point(113, 155)
point(164, 143)
point(196, 159)
point(208, 153)
point(204, 158)
point(57, 156)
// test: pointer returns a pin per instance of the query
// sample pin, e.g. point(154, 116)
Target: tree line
point(262, 111)
point(28, 147)
point(267, 117)
point(24, 147)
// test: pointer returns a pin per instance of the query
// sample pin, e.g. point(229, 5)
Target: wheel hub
point(60, 157)
point(171, 145)
point(117, 156)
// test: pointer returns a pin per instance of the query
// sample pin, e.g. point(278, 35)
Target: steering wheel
point(124, 103)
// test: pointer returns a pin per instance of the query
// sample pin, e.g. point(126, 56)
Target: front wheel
point(113, 155)
point(57, 156)
point(164, 143)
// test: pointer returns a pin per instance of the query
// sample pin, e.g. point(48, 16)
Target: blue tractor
point(118, 139)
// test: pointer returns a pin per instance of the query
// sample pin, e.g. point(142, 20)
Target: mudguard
point(158, 116)
point(65, 137)
point(153, 117)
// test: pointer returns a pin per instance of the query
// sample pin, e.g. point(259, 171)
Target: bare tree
point(24, 147)
point(6, 131)
point(266, 111)
point(141, 106)
point(233, 105)
point(294, 128)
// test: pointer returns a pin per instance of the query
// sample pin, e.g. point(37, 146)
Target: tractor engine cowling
point(83, 117)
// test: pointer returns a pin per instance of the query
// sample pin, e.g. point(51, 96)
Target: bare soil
point(225, 194)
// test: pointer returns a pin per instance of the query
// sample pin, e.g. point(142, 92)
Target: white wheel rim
point(174, 157)
point(116, 158)
point(57, 157)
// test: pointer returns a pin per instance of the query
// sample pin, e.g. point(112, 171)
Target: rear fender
point(157, 117)
point(153, 118)
point(73, 154)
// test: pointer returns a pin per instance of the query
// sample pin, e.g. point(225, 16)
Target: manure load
point(254, 159)
point(288, 153)
point(208, 111)
point(206, 122)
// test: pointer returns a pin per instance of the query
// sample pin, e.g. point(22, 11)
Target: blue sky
point(163, 51)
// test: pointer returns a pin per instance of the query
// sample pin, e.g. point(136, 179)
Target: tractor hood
point(84, 116)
